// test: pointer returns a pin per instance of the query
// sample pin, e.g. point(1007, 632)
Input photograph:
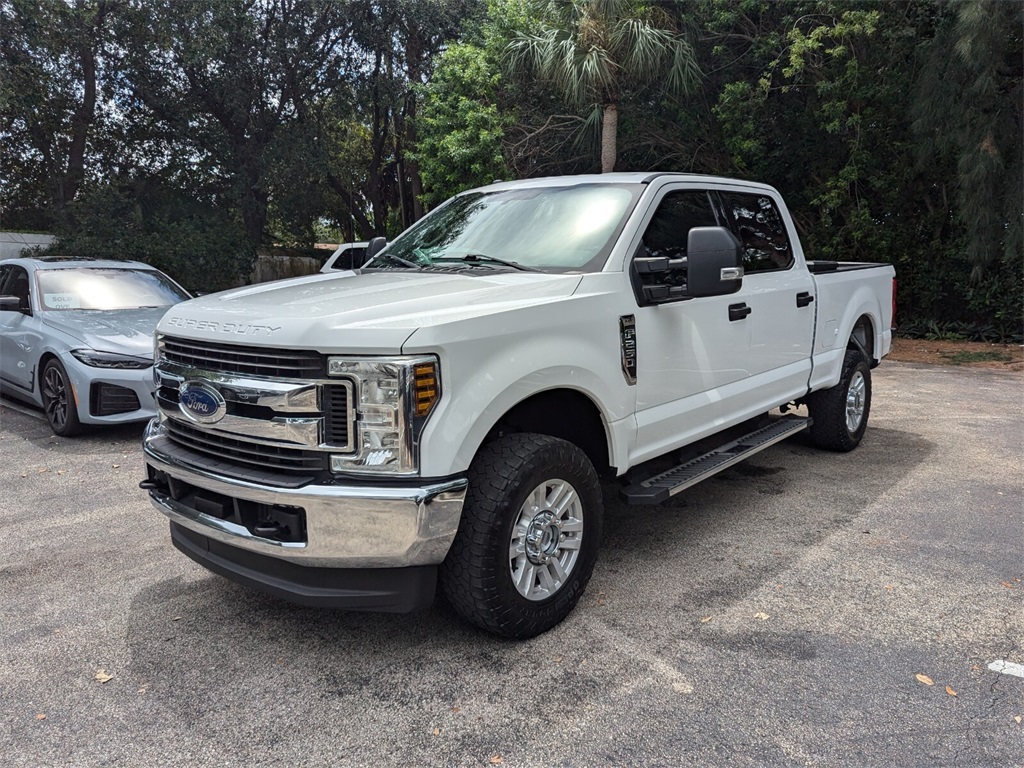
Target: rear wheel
point(59, 400)
point(840, 413)
point(528, 538)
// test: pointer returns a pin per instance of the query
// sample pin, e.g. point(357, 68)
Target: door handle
point(738, 311)
point(803, 299)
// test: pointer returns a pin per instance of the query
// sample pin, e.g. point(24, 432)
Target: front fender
point(491, 364)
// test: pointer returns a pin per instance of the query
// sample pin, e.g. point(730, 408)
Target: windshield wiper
point(400, 260)
point(479, 258)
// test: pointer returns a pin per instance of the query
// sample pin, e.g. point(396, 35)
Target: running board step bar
point(657, 489)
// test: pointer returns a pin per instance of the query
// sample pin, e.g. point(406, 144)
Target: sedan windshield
point(538, 228)
point(97, 288)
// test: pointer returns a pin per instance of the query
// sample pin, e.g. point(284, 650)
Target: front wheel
point(528, 538)
point(59, 400)
point(840, 413)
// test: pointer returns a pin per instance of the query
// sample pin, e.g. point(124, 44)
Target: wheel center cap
point(542, 538)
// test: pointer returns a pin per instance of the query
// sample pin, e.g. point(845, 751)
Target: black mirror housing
point(715, 259)
point(375, 246)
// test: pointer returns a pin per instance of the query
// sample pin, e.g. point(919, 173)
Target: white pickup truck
point(442, 415)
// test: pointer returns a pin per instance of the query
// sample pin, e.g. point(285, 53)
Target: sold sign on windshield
point(61, 301)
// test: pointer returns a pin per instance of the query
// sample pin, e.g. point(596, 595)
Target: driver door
point(19, 340)
point(690, 356)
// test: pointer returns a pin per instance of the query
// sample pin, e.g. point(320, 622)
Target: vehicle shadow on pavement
point(199, 642)
point(728, 536)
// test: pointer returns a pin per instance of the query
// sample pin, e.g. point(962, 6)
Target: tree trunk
point(609, 137)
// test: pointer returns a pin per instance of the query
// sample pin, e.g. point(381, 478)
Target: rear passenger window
point(756, 221)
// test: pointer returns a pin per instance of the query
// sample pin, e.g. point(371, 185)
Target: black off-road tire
point(59, 400)
point(476, 577)
point(831, 408)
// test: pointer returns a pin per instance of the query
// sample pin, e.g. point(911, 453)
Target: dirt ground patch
point(968, 354)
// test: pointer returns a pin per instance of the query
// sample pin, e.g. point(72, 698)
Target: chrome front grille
point(247, 361)
point(281, 415)
point(244, 452)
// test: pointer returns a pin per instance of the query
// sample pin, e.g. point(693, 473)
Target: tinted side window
point(345, 260)
point(16, 283)
point(756, 221)
point(5, 274)
point(677, 214)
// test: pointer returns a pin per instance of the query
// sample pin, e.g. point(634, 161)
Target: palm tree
point(593, 51)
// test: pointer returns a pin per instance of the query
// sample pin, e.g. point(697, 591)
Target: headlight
point(393, 397)
point(97, 359)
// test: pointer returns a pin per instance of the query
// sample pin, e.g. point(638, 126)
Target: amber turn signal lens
point(425, 388)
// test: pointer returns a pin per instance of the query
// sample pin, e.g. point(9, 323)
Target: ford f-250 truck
point(441, 416)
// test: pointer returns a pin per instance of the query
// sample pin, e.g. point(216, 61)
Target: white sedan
point(76, 338)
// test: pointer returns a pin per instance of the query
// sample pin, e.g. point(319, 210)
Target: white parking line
point(1007, 668)
point(21, 409)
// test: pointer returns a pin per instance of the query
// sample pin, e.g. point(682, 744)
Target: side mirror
point(657, 279)
point(375, 246)
point(10, 304)
point(715, 262)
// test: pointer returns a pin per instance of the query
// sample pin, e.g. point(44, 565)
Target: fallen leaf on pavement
point(762, 616)
point(1018, 718)
point(437, 731)
point(705, 620)
point(890, 587)
point(40, 716)
point(497, 760)
point(1006, 584)
point(950, 691)
point(925, 679)
point(102, 676)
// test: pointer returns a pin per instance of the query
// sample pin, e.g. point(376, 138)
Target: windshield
point(96, 288)
point(538, 228)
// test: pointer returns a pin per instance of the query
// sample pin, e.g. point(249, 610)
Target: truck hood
point(372, 312)
point(124, 331)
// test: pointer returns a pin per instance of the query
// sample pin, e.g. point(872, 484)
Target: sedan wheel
point(59, 400)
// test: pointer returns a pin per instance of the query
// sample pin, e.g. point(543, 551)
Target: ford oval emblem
point(201, 402)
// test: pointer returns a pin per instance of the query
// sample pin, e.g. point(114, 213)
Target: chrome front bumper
point(346, 526)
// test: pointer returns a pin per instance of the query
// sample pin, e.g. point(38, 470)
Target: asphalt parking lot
point(803, 608)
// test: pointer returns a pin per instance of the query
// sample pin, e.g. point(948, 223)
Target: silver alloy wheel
point(55, 396)
point(546, 540)
point(855, 400)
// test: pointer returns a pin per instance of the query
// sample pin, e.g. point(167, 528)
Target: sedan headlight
point(393, 397)
point(98, 359)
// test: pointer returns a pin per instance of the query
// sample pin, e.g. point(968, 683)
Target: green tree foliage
point(55, 70)
point(185, 133)
point(969, 113)
point(202, 245)
point(593, 50)
point(231, 78)
point(817, 97)
point(460, 125)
